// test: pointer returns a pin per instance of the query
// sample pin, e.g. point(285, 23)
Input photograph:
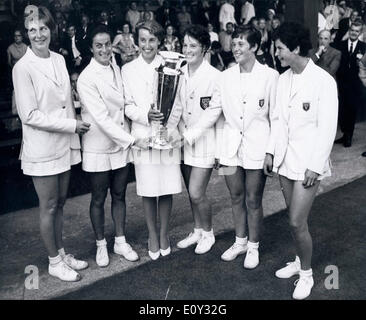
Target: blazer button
point(120, 109)
point(121, 123)
point(241, 132)
point(189, 113)
point(244, 102)
point(63, 107)
point(241, 118)
point(185, 126)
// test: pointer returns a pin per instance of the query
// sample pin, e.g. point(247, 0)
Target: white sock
point(208, 233)
point(102, 242)
point(297, 260)
point(253, 245)
point(121, 239)
point(55, 260)
point(241, 241)
point(197, 230)
point(306, 273)
point(62, 252)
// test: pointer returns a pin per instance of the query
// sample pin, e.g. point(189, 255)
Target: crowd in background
point(76, 18)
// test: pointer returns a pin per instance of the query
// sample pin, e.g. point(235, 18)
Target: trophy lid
point(171, 56)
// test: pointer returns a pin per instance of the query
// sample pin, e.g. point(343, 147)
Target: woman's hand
point(155, 115)
point(268, 165)
point(310, 178)
point(142, 143)
point(82, 127)
point(176, 140)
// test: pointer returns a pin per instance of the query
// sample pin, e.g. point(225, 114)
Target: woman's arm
point(95, 105)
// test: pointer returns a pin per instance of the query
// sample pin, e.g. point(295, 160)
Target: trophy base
point(159, 146)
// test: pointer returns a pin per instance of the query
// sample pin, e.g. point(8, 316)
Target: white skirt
point(99, 162)
point(157, 172)
point(52, 167)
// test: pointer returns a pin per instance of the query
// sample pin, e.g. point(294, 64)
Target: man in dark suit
point(344, 26)
point(349, 83)
point(362, 75)
point(166, 15)
point(325, 56)
point(74, 50)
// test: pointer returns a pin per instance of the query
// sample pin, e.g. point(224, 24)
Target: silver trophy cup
point(166, 85)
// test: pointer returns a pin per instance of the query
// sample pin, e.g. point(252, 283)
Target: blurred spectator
point(225, 38)
point(146, 9)
point(17, 49)
point(204, 13)
point(324, 55)
point(213, 35)
point(362, 75)
point(85, 27)
point(165, 15)
point(104, 19)
point(170, 40)
point(254, 23)
point(216, 58)
point(74, 76)
point(226, 14)
point(344, 10)
point(76, 12)
point(124, 46)
point(74, 50)
point(184, 19)
point(349, 83)
point(265, 40)
point(60, 30)
point(133, 16)
point(344, 26)
point(264, 57)
point(247, 11)
point(270, 16)
point(331, 12)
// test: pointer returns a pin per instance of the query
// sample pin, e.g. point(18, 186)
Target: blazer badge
point(306, 106)
point(205, 102)
point(261, 103)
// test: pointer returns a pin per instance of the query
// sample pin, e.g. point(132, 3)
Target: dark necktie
point(351, 48)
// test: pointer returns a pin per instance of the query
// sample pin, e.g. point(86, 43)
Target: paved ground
point(20, 243)
point(338, 239)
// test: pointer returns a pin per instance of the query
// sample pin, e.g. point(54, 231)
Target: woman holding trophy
point(199, 154)
point(157, 171)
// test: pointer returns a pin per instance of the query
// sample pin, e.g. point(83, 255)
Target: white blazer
point(191, 102)
point(103, 107)
point(45, 108)
point(305, 122)
point(138, 94)
point(247, 111)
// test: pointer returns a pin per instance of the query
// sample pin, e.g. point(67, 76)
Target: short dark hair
point(101, 28)
point(357, 23)
point(252, 35)
point(201, 34)
point(294, 35)
point(153, 27)
point(45, 15)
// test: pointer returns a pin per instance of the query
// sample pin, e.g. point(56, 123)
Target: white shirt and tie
point(75, 51)
point(352, 46)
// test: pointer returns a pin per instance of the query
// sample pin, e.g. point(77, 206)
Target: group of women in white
point(247, 120)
